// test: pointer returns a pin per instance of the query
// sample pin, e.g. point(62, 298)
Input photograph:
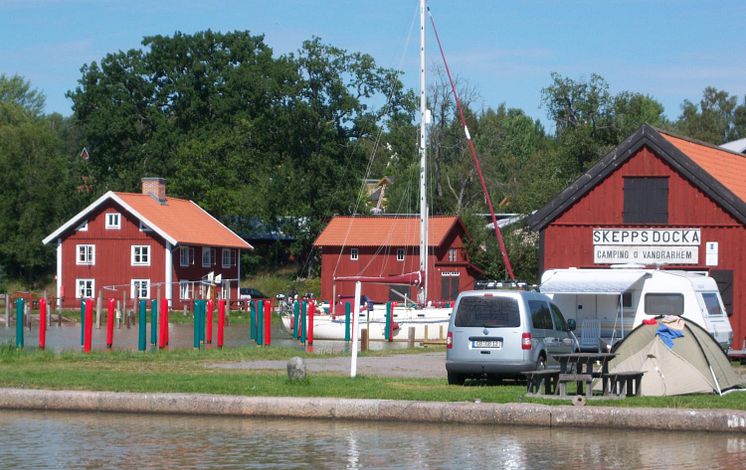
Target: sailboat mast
point(423, 160)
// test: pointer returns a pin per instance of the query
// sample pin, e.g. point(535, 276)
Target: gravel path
point(425, 365)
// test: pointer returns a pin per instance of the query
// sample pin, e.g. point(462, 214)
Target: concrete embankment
point(730, 421)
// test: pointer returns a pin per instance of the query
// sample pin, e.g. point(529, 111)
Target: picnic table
point(578, 368)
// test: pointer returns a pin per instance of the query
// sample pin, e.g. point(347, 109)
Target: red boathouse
point(145, 246)
point(659, 200)
point(388, 246)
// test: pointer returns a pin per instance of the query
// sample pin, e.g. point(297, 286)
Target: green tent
point(694, 364)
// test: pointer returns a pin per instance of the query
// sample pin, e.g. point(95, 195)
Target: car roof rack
point(482, 284)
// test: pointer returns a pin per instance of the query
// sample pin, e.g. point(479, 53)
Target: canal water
point(101, 440)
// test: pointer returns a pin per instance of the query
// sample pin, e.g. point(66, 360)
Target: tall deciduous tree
point(718, 118)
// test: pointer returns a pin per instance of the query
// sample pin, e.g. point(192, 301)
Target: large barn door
point(449, 285)
point(724, 279)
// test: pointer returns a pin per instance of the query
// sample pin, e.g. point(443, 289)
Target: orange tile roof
point(728, 168)
point(383, 231)
point(184, 221)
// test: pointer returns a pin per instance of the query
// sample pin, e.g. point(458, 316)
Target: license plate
point(488, 344)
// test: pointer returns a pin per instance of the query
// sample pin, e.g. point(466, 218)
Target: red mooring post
point(309, 327)
point(110, 323)
point(208, 323)
point(88, 332)
point(42, 323)
point(221, 322)
point(267, 319)
point(163, 337)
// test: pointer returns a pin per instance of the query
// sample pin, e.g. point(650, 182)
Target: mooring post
point(153, 323)
point(208, 321)
point(42, 323)
point(7, 311)
point(19, 322)
point(296, 318)
point(82, 322)
point(142, 321)
point(364, 339)
point(164, 323)
point(110, 324)
point(260, 323)
point(347, 322)
point(252, 320)
point(88, 325)
point(311, 311)
point(303, 313)
point(267, 339)
point(221, 322)
point(99, 305)
point(411, 336)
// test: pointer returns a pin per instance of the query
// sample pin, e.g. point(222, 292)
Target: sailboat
point(420, 320)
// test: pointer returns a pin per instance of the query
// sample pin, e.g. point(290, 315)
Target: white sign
point(613, 254)
point(647, 237)
point(711, 253)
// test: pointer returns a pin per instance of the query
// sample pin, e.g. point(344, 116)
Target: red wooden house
point(144, 246)
point(387, 246)
point(656, 199)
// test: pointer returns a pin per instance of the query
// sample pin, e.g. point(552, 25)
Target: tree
point(717, 119)
point(16, 91)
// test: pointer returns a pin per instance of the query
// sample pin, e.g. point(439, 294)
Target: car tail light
point(449, 340)
point(526, 341)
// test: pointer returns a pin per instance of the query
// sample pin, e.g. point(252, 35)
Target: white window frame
point(231, 257)
point(452, 255)
point(210, 259)
point(88, 257)
point(184, 256)
point(354, 254)
point(184, 290)
point(144, 227)
point(87, 285)
point(113, 221)
point(400, 254)
point(83, 227)
point(138, 283)
point(142, 252)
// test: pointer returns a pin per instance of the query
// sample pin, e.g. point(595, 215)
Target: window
point(186, 256)
point(487, 312)
point(452, 255)
point(144, 228)
point(540, 316)
point(645, 200)
point(140, 255)
point(626, 300)
point(86, 255)
point(353, 254)
point(712, 304)
point(208, 256)
point(83, 227)
point(229, 257)
point(184, 289)
point(664, 304)
point(113, 221)
point(559, 321)
point(400, 254)
point(140, 289)
point(85, 288)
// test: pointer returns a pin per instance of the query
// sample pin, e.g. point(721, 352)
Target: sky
point(505, 50)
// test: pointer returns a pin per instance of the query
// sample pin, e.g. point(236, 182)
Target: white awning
point(590, 281)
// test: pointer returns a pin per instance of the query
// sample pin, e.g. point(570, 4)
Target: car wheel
point(456, 379)
point(541, 362)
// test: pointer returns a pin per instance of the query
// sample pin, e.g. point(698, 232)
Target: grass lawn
point(186, 371)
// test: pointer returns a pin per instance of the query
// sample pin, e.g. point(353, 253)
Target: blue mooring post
point(19, 323)
point(82, 321)
point(296, 318)
point(195, 331)
point(347, 322)
point(387, 327)
point(303, 313)
point(252, 320)
point(141, 324)
point(260, 324)
point(202, 312)
point(154, 322)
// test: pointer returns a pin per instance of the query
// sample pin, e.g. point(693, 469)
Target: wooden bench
point(622, 383)
point(583, 382)
point(536, 378)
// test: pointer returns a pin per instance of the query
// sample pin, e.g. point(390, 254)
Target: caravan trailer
point(608, 303)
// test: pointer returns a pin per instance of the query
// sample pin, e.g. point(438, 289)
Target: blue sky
point(506, 50)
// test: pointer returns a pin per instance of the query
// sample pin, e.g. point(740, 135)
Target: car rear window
point(492, 312)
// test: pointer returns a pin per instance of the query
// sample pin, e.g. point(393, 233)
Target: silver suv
point(501, 333)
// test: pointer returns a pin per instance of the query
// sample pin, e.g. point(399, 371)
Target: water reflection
point(74, 440)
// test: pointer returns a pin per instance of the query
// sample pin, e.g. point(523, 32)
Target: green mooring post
point(154, 322)
point(296, 318)
point(303, 316)
point(196, 324)
point(201, 324)
point(347, 322)
point(260, 324)
point(141, 324)
point(252, 320)
point(19, 322)
point(82, 321)
point(387, 327)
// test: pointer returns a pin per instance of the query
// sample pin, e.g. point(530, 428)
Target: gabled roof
point(178, 221)
point(716, 172)
point(738, 146)
point(384, 231)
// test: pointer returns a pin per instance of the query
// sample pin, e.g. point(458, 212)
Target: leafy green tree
point(718, 118)
point(16, 92)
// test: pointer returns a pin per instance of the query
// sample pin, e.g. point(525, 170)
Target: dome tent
point(694, 363)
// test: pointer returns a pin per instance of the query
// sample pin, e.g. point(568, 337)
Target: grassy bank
point(187, 371)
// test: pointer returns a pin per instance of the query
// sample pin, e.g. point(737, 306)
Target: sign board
point(646, 246)
point(711, 253)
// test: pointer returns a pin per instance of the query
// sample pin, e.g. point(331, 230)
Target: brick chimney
point(155, 188)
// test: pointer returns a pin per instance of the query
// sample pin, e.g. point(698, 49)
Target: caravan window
point(712, 304)
point(492, 312)
point(664, 304)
